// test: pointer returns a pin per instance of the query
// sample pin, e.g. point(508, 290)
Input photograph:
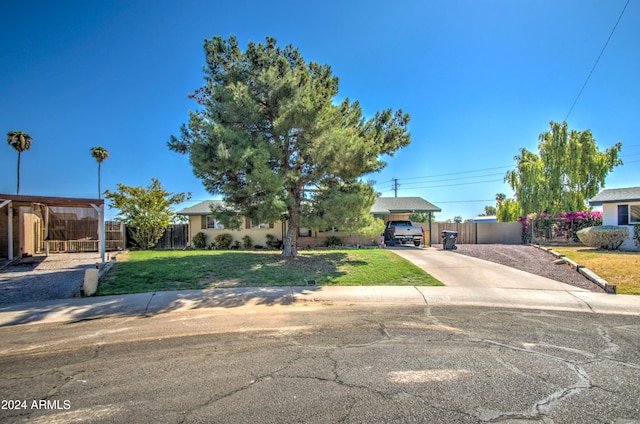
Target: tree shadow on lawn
point(226, 269)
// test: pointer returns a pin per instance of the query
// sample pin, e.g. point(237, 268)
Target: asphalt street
point(323, 362)
point(493, 345)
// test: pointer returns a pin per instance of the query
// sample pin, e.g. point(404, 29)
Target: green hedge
point(607, 237)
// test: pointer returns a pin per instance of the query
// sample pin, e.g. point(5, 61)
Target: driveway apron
point(456, 270)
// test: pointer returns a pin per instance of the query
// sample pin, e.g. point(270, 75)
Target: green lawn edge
point(152, 271)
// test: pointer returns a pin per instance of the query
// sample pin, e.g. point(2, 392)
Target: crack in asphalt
point(537, 410)
point(384, 332)
point(146, 308)
point(543, 406)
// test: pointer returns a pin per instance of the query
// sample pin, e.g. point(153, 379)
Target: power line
point(457, 173)
point(597, 60)
point(455, 179)
point(465, 201)
point(384, 186)
point(455, 185)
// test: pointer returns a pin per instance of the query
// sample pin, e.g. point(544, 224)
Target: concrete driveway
point(465, 271)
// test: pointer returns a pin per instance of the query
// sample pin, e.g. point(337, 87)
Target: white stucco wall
point(258, 236)
point(610, 214)
point(610, 217)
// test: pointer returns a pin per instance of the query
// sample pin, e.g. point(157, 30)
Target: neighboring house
point(386, 208)
point(42, 224)
point(620, 206)
point(485, 218)
point(201, 220)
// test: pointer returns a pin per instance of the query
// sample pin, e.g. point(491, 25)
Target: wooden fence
point(114, 235)
point(72, 246)
point(175, 237)
point(114, 240)
point(477, 233)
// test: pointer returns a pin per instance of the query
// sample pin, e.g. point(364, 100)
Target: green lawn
point(150, 271)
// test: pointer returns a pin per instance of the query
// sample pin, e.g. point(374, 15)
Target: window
point(209, 223)
point(623, 214)
point(634, 214)
point(304, 232)
point(251, 225)
point(330, 230)
point(628, 214)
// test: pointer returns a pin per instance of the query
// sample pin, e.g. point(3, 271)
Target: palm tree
point(100, 154)
point(20, 141)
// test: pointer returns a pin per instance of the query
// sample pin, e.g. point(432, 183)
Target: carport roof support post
point(101, 235)
point(9, 228)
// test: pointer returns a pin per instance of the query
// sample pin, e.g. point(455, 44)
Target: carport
point(400, 208)
point(20, 229)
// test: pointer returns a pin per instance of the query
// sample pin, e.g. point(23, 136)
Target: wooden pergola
point(11, 202)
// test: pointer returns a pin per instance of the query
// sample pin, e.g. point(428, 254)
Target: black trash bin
point(449, 240)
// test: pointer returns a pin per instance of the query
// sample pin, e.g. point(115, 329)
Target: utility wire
point(597, 60)
point(456, 173)
point(465, 201)
point(455, 185)
point(453, 179)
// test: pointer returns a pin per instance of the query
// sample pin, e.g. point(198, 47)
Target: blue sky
point(480, 79)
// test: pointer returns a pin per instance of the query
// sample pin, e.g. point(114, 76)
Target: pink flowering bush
point(563, 225)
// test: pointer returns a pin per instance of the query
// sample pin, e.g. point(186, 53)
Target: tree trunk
point(99, 192)
point(290, 249)
point(18, 186)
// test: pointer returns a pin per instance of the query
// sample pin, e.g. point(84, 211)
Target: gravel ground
point(36, 278)
point(530, 259)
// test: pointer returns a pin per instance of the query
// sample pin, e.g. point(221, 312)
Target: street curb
point(581, 269)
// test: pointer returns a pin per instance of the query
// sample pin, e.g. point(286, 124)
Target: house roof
point(388, 205)
point(51, 201)
point(616, 195)
point(382, 206)
point(202, 208)
point(485, 218)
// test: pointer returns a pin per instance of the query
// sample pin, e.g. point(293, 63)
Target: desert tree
point(567, 170)
point(147, 211)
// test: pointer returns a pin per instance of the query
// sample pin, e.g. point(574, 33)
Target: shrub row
point(224, 241)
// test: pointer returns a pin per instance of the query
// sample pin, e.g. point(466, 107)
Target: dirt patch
point(530, 259)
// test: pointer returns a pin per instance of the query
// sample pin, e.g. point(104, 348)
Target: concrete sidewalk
point(149, 304)
point(469, 282)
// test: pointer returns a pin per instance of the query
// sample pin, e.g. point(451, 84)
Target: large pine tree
point(268, 131)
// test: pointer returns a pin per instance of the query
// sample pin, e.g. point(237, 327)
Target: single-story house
point(620, 206)
point(387, 208)
point(200, 219)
